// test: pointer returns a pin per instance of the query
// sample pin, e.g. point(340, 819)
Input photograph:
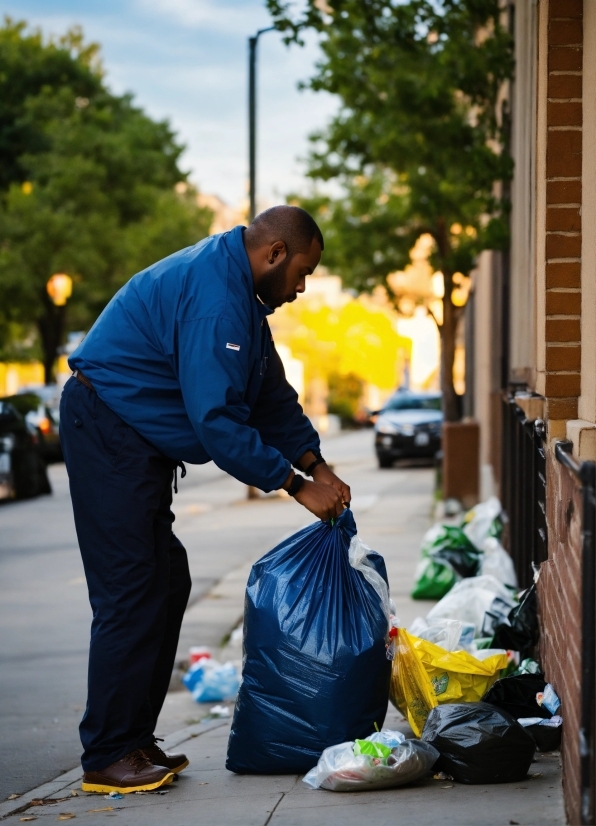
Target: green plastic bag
point(448, 543)
point(373, 749)
point(434, 579)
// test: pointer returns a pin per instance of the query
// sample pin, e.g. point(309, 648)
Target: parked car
point(40, 409)
point(408, 425)
point(22, 468)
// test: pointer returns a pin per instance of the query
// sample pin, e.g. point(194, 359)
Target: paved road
point(45, 616)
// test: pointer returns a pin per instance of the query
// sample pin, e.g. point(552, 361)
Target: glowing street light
point(59, 288)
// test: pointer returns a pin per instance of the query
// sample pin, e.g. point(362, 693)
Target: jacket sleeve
point(278, 416)
point(213, 377)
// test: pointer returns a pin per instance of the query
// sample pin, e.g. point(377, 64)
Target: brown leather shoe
point(133, 773)
point(174, 762)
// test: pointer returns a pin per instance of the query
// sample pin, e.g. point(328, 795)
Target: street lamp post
point(252, 120)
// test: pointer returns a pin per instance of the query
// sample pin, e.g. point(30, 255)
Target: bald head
point(290, 224)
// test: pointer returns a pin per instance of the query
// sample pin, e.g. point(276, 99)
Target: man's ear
point(277, 252)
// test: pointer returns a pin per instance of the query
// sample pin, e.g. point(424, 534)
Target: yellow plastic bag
point(425, 675)
point(410, 690)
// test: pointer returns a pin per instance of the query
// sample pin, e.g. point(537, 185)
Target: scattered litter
point(113, 796)
point(210, 681)
point(160, 791)
point(535, 775)
point(479, 743)
point(382, 761)
point(219, 711)
point(66, 816)
point(13, 796)
point(546, 733)
point(105, 809)
point(442, 776)
point(446, 787)
point(197, 653)
point(74, 793)
point(315, 669)
point(28, 818)
point(204, 783)
point(548, 698)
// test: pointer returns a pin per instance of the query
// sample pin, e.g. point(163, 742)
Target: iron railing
point(523, 489)
point(586, 473)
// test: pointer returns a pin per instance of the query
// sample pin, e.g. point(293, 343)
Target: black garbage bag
point(315, 667)
point(521, 634)
point(450, 544)
point(547, 738)
point(517, 695)
point(479, 743)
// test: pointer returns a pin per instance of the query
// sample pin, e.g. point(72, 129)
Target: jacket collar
point(235, 245)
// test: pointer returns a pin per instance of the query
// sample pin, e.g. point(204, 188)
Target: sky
point(186, 60)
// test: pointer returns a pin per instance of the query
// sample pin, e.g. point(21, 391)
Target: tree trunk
point(448, 334)
point(51, 327)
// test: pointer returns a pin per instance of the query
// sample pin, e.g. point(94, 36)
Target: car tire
point(385, 461)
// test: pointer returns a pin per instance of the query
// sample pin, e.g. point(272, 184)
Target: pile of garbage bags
point(451, 553)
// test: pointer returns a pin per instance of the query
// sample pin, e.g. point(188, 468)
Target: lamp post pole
point(252, 120)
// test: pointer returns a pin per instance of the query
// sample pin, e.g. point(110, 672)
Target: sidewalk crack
point(266, 823)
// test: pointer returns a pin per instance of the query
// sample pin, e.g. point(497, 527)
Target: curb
point(53, 787)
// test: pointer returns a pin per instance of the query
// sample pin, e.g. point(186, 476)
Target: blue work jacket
point(183, 353)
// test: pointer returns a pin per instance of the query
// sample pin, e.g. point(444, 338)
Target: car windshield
point(407, 402)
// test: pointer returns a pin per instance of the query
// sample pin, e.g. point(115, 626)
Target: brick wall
point(559, 599)
point(563, 210)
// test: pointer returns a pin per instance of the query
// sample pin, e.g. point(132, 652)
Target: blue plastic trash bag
point(315, 673)
point(210, 681)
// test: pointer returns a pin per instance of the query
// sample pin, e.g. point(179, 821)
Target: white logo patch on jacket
point(232, 346)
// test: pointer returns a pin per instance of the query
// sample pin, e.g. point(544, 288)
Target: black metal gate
point(523, 488)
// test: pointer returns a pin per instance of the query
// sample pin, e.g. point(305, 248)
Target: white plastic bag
point(483, 515)
point(481, 600)
point(340, 770)
point(497, 562)
point(443, 632)
point(358, 556)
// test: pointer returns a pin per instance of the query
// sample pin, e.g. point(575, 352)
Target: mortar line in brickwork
point(564, 317)
point(563, 290)
point(569, 233)
point(564, 100)
point(563, 260)
point(564, 205)
point(561, 73)
point(555, 178)
point(565, 128)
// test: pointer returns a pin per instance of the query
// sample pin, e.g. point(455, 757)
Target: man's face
point(284, 280)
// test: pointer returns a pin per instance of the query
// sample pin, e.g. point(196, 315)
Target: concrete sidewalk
point(392, 509)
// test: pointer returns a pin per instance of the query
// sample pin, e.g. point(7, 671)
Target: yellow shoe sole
point(181, 767)
point(144, 787)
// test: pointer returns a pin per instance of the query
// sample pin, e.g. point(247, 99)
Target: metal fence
point(523, 489)
point(586, 473)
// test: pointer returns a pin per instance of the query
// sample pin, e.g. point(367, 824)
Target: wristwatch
point(296, 484)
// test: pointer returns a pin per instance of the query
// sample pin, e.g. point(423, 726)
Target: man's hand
point(325, 501)
point(323, 473)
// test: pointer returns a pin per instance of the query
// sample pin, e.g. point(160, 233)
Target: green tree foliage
point(419, 142)
point(89, 186)
point(345, 395)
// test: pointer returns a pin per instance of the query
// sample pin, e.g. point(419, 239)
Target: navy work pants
point(137, 573)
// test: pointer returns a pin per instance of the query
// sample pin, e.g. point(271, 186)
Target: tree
point(91, 186)
point(419, 143)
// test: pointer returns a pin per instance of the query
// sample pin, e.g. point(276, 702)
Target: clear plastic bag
point(479, 521)
point(481, 600)
point(340, 770)
point(497, 562)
